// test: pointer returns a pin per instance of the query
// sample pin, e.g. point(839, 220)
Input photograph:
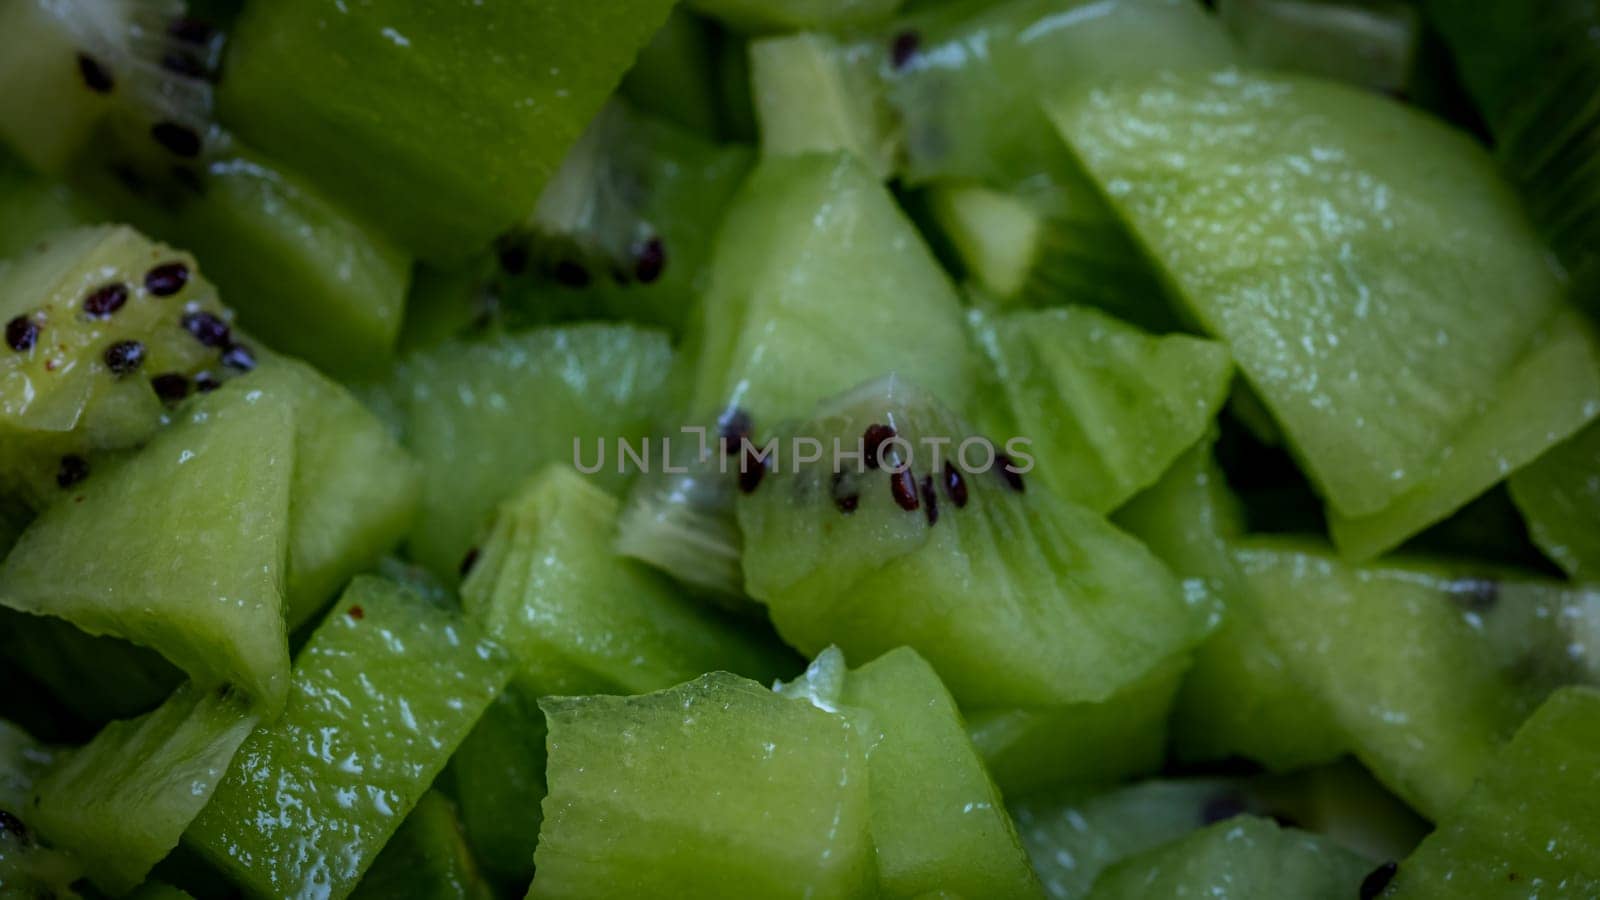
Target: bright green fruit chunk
point(499, 780)
point(354, 492)
point(582, 620)
point(1243, 857)
point(180, 549)
point(1425, 669)
point(305, 277)
point(1238, 698)
point(439, 122)
point(774, 803)
point(122, 802)
point(427, 859)
point(1377, 281)
point(813, 93)
point(1017, 598)
point(1559, 496)
point(1528, 828)
point(1030, 750)
point(937, 819)
point(384, 691)
point(1107, 406)
point(793, 15)
point(482, 416)
point(1546, 397)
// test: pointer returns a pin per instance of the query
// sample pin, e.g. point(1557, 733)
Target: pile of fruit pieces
point(357, 541)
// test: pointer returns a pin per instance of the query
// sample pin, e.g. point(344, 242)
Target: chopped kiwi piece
point(1238, 699)
point(208, 598)
point(121, 802)
point(582, 620)
point(1032, 750)
point(1107, 406)
point(427, 859)
point(1405, 280)
point(938, 821)
point(499, 783)
point(1242, 857)
point(96, 679)
point(29, 869)
point(776, 803)
point(33, 206)
point(383, 692)
point(1528, 828)
point(1426, 668)
point(1369, 43)
point(65, 63)
point(671, 77)
point(104, 330)
point(159, 890)
point(354, 492)
point(1559, 497)
point(306, 276)
point(482, 415)
point(814, 93)
point(819, 282)
point(940, 542)
point(391, 109)
point(792, 15)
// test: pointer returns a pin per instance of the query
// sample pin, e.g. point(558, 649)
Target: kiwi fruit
point(671, 78)
point(427, 857)
point(1374, 44)
point(1559, 497)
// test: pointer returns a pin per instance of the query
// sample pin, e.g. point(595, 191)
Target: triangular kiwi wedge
point(181, 548)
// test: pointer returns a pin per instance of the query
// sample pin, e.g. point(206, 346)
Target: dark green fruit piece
point(427, 859)
point(1017, 598)
point(1238, 699)
point(392, 108)
point(1243, 857)
point(1559, 496)
point(581, 620)
point(819, 282)
point(158, 890)
point(1528, 828)
point(1369, 43)
point(1426, 669)
point(1107, 406)
point(354, 493)
point(673, 77)
point(32, 206)
point(92, 317)
point(29, 869)
point(1405, 281)
point(208, 598)
point(937, 819)
point(121, 802)
point(813, 93)
point(384, 691)
point(499, 783)
point(305, 275)
point(96, 679)
point(482, 416)
point(792, 15)
point(775, 803)
point(1031, 750)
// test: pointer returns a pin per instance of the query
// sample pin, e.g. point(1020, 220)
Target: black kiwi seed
point(207, 328)
point(95, 76)
point(468, 561)
point(1013, 480)
point(955, 486)
point(180, 140)
point(1220, 807)
point(124, 357)
point(13, 826)
point(513, 256)
point(572, 273)
point(166, 279)
point(356, 612)
point(205, 383)
point(930, 500)
point(874, 438)
point(71, 470)
point(732, 428)
point(843, 496)
point(649, 259)
point(903, 48)
point(752, 468)
point(182, 62)
point(170, 387)
point(239, 357)
point(903, 488)
point(1378, 879)
point(105, 300)
point(21, 334)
